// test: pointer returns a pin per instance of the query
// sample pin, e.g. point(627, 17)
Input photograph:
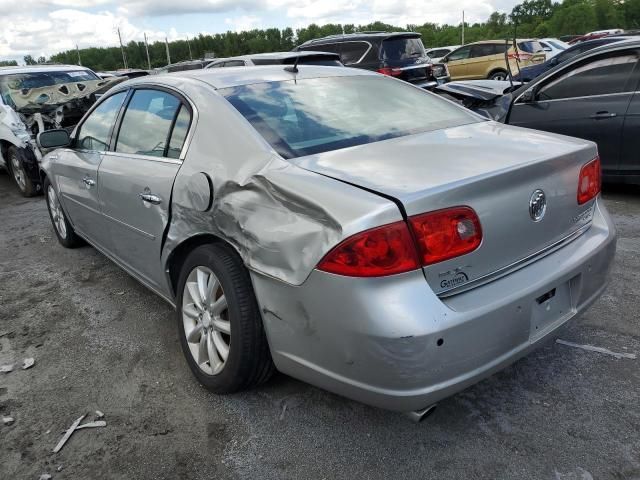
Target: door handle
point(603, 115)
point(88, 182)
point(150, 197)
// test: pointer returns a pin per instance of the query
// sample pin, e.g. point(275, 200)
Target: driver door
point(588, 100)
point(76, 169)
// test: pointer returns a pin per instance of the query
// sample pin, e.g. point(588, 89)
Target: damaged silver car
point(38, 98)
point(346, 228)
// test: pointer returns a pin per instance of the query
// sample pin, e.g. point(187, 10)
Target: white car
point(553, 46)
point(436, 54)
point(34, 99)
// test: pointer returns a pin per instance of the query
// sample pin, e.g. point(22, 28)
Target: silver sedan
point(345, 228)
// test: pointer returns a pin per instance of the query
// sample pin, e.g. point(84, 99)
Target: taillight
point(378, 252)
point(392, 72)
point(521, 56)
point(446, 234)
point(590, 181)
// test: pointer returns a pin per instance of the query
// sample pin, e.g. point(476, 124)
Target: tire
point(64, 231)
point(15, 158)
point(218, 269)
point(499, 75)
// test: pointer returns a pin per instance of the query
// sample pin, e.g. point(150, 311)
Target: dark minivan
point(397, 54)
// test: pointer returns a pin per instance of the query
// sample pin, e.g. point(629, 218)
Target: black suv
point(398, 54)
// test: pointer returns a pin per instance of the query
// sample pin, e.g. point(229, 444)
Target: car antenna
point(506, 59)
point(293, 68)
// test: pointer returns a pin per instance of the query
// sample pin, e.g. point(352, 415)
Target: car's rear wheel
point(20, 177)
point(219, 322)
point(498, 75)
point(64, 231)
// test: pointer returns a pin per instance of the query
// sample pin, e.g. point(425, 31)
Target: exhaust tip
point(419, 415)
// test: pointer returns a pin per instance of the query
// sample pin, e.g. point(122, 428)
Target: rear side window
point(600, 76)
point(325, 47)
point(146, 123)
point(234, 63)
point(179, 133)
point(352, 52)
point(316, 115)
point(94, 132)
point(438, 53)
point(484, 50)
point(402, 49)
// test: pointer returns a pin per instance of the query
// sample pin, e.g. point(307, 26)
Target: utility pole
point(124, 55)
point(189, 45)
point(79, 59)
point(146, 44)
point(462, 27)
point(166, 44)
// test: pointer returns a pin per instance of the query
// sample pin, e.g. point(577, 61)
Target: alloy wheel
point(56, 212)
point(205, 317)
point(18, 172)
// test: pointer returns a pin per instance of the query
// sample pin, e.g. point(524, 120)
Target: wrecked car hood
point(479, 89)
point(31, 100)
point(490, 98)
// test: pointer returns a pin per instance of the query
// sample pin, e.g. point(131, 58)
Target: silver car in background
point(345, 228)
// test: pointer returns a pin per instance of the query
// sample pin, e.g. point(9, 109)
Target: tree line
point(532, 18)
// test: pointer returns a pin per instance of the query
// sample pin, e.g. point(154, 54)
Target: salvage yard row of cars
point(347, 228)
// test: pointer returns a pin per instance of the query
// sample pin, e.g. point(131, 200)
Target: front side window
point(604, 75)
point(146, 123)
point(234, 63)
point(95, 132)
point(310, 116)
point(460, 54)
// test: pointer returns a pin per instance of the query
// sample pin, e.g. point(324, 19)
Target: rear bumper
point(392, 343)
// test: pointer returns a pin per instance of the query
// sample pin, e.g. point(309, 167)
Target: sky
point(46, 27)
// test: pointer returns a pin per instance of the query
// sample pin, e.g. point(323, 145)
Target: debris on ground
point(7, 420)
point(76, 426)
point(59, 469)
point(28, 363)
point(6, 368)
point(99, 414)
point(284, 410)
point(591, 348)
point(120, 292)
point(45, 476)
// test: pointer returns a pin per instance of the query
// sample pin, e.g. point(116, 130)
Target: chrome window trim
point(506, 270)
point(137, 156)
point(194, 120)
point(574, 98)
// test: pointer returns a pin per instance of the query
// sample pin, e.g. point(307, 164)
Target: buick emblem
point(537, 205)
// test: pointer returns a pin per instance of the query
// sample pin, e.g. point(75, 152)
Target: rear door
point(480, 59)
point(137, 175)
point(76, 169)
point(587, 99)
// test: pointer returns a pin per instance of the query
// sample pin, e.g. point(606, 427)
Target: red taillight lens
point(590, 181)
point(381, 251)
point(521, 56)
point(392, 72)
point(446, 234)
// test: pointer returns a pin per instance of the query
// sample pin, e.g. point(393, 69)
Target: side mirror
point(528, 96)
point(53, 139)
point(444, 60)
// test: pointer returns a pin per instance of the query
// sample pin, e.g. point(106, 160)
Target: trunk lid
point(494, 169)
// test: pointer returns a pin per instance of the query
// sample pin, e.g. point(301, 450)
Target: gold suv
point(485, 59)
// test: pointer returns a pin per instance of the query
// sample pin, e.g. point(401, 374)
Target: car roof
point(280, 55)
point(237, 76)
point(518, 40)
point(42, 69)
point(359, 36)
point(602, 41)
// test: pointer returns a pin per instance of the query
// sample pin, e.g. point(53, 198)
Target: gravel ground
point(103, 342)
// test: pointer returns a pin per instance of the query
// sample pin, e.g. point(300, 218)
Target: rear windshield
point(530, 46)
point(402, 49)
point(310, 116)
